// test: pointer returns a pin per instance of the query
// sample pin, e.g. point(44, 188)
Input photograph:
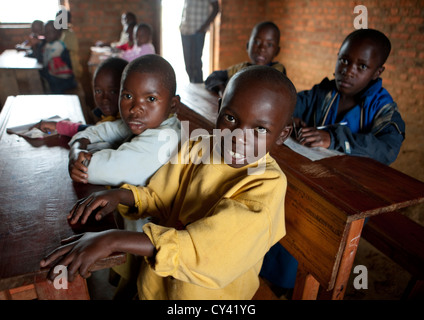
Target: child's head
point(264, 43)
point(37, 28)
point(261, 100)
point(147, 96)
point(361, 60)
point(143, 34)
point(106, 84)
point(51, 33)
point(127, 18)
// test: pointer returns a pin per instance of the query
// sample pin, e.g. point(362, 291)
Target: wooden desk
point(18, 75)
point(36, 194)
point(326, 202)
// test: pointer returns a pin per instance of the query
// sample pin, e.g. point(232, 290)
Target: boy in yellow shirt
point(215, 216)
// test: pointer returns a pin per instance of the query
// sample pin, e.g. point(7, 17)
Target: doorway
point(171, 47)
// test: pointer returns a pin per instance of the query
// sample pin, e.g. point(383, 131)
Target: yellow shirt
point(228, 220)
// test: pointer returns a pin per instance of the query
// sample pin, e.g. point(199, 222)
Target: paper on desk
point(34, 133)
point(314, 154)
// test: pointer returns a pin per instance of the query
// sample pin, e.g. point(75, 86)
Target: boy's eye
point(261, 130)
point(151, 99)
point(229, 118)
point(344, 61)
point(97, 91)
point(363, 67)
point(127, 96)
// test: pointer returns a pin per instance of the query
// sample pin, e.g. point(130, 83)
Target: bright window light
point(26, 11)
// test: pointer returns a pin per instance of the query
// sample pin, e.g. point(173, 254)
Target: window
point(26, 11)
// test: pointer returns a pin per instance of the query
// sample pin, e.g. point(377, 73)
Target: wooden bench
point(402, 240)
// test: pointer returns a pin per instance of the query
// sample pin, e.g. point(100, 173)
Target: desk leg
point(348, 258)
point(77, 290)
point(306, 286)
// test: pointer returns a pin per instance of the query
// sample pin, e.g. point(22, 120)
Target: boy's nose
point(348, 70)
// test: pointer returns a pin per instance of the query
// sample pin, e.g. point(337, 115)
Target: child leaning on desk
point(215, 220)
point(106, 84)
point(263, 46)
point(147, 103)
point(359, 118)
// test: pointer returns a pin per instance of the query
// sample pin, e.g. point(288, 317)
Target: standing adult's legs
point(193, 49)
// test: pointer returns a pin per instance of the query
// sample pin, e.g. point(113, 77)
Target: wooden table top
point(36, 192)
point(13, 59)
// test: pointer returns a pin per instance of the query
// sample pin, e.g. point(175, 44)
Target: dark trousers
point(193, 49)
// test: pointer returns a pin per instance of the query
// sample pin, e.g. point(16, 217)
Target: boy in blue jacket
point(359, 115)
point(352, 114)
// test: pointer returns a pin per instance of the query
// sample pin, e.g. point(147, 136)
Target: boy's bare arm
point(84, 250)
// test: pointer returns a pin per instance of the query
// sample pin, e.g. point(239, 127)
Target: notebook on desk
point(28, 131)
point(313, 154)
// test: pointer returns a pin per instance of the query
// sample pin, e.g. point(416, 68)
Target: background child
point(215, 221)
point(69, 38)
point(263, 46)
point(57, 66)
point(32, 45)
point(143, 43)
point(106, 83)
point(374, 127)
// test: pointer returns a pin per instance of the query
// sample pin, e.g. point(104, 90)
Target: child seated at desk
point(33, 44)
point(57, 66)
point(143, 43)
point(70, 40)
point(263, 46)
point(359, 116)
point(373, 125)
point(106, 84)
point(147, 103)
point(215, 219)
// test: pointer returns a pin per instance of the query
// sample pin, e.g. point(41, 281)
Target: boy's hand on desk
point(46, 126)
point(107, 201)
point(312, 137)
point(78, 167)
point(79, 254)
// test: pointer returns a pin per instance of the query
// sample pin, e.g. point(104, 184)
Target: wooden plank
point(306, 286)
point(76, 290)
point(399, 238)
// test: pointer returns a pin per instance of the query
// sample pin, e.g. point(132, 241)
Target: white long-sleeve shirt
point(135, 161)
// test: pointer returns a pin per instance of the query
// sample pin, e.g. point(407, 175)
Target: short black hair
point(146, 26)
point(114, 64)
point(131, 17)
point(377, 37)
point(269, 77)
point(267, 24)
point(153, 63)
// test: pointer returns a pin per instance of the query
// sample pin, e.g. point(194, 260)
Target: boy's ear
point(378, 72)
point(284, 135)
point(277, 51)
point(175, 101)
